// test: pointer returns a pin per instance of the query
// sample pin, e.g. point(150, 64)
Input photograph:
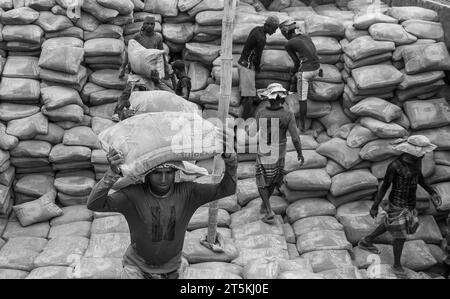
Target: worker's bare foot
point(269, 218)
point(368, 246)
point(263, 209)
point(115, 118)
point(399, 271)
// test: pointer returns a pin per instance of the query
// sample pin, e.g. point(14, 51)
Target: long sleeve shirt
point(303, 52)
point(158, 224)
point(404, 178)
point(253, 49)
point(272, 136)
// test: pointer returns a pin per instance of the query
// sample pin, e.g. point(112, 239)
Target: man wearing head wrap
point(306, 63)
point(404, 174)
point(250, 62)
point(183, 85)
point(158, 212)
point(273, 124)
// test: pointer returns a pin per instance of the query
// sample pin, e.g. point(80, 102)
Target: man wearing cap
point(306, 63)
point(404, 173)
point(272, 141)
point(183, 85)
point(158, 212)
point(250, 62)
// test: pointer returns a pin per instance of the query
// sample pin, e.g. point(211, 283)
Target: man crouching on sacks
point(401, 220)
point(158, 212)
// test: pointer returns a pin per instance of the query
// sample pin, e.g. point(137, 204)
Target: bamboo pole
point(225, 97)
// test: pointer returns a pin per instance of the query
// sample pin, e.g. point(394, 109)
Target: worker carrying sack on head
point(250, 62)
point(306, 64)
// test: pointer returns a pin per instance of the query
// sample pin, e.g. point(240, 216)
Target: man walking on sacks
point(250, 62)
point(158, 212)
point(403, 174)
point(306, 64)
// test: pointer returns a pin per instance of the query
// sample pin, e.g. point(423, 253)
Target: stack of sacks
point(100, 163)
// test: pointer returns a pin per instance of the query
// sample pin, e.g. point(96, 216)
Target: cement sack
point(312, 161)
point(324, 26)
point(82, 136)
point(262, 241)
point(58, 96)
point(205, 53)
point(366, 46)
point(76, 80)
point(143, 61)
point(7, 142)
point(338, 150)
point(98, 268)
point(382, 129)
point(308, 143)
point(443, 189)
point(40, 210)
point(87, 22)
point(89, 89)
point(352, 181)
point(67, 125)
point(77, 186)
point(416, 256)
point(315, 223)
point(206, 5)
point(103, 47)
point(67, 113)
point(185, 5)
point(200, 219)
point(265, 268)
point(418, 91)
point(32, 148)
point(247, 255)
point(23, 33)
point(61, 153)
point(377, 76)
point(317, 109)
point(123, 7)
point(209, 18)
point(246, 215)
point(7, 4)
point(404, 13)
point(51, 272)
point(195, 252)
point(111, 245)
point(178, 33)
point(199, 76)
point(300, 13)
point(73, 214)
point(377, 108)
point(28, 127)
point(7, 177)
point(212, 92)
point(364, 21)
point(71, 200)
point(295, 264)
point(442, 157)
point(326, 45)
point(19, 91)
point(166, 8)
point(322, 240)
point(331, 74)
point(356, 220)
point(218, 266)
point(278, 204)
point(256, 228)
point(194, 273)
point(35, 185)
point(308, 180)
point(105, 111)
point(160, 101)
point(108, 79)
point(391, 32)
point(10, 111)
point(229, 204)
point(438, 136)
point(111, 224)
point(432, 57)
point(70, 32)
point(51, 22)
point(428, 114)
point(325, 92)
point(351, 33)
point(378, 150)
point(15, 230)
point(140, 16)
point(11, 258)
point(372, 60)
point(105, 97)
point(325, 260)
point(309, 207)
point(24, 67)
point(102, 13)
point(335, 119)
point(63, 42)
point(12, 274)
point(299, 274)
point(105, 31)
point(61, 251)
point(365, 194)
point(349, 272)
point(19, 16)
point(424, 29)
point(276, 60)
point(397, 55)
point(137, 161)
point(410, 81)
point(62, 59)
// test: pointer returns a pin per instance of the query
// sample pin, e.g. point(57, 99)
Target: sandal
point(269, 219)
point(368, 247)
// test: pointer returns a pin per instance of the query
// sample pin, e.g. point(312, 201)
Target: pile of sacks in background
point(52, 108)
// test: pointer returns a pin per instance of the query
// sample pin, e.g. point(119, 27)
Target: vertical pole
point(225, 97)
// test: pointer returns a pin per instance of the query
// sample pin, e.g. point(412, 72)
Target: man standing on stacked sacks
point(250, 62)
point(400, 216)
point(303, 52)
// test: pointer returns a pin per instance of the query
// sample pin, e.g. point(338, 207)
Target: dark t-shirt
point(304, 49)
point(254, 46)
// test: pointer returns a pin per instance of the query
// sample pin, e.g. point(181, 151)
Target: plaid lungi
point(268, 174)
point(401, 222)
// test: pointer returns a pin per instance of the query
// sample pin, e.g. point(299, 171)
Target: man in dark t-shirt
point(158, 212)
